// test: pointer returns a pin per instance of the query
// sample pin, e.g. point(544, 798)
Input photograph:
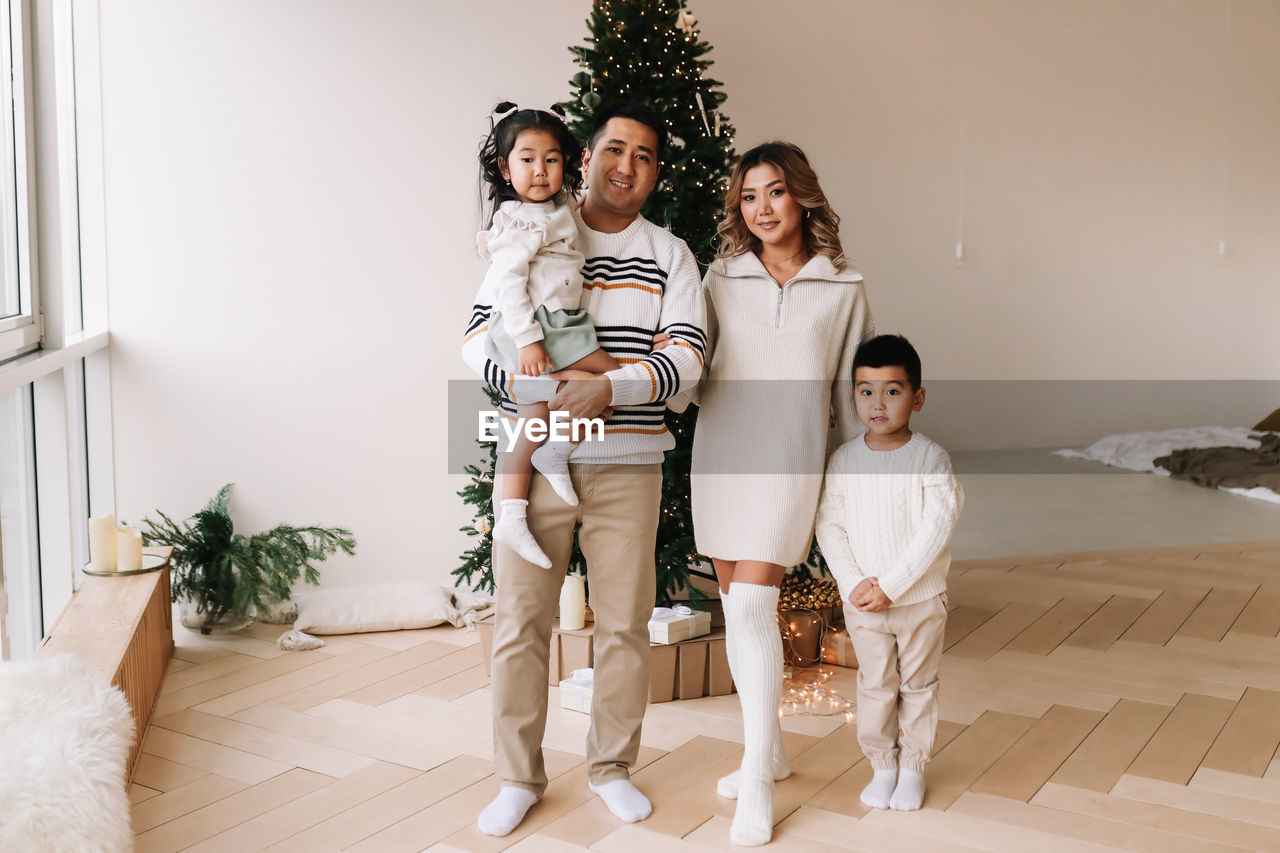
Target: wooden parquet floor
point(1125, 700)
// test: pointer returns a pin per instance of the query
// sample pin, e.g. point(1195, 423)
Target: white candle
point(573, 603)
point(102, 543)
point(128, 549)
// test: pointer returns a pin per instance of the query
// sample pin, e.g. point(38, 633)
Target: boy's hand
point(661, 341)
point(534, 360)
point(860, 593)
point(878, 602)
point(868, 597)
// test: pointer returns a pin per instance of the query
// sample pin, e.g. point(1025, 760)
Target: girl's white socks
point(751, 614)
point(552, 461)
point(624, 800)
point(505, 812)
point(879, 793)
point(727, 786)
point(512, 530)
point(908, 796)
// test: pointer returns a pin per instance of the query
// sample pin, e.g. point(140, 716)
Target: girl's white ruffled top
point(533, 260)
point(777, 393)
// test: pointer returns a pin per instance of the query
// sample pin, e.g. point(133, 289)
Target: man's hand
point(534, 360)
point(582, 394)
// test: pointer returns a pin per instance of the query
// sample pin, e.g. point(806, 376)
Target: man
point(639, 280)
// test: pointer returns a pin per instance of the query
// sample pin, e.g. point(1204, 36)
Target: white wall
point(291, 211)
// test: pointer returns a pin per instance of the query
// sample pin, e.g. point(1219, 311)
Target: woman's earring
point(806, 213)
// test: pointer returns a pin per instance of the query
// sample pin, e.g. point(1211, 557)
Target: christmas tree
point(647, 51)
point(650, 51)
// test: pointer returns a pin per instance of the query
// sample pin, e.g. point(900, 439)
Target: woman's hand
point(661, 341)
point(534, 360)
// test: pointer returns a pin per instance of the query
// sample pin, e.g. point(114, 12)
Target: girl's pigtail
point(493, 186)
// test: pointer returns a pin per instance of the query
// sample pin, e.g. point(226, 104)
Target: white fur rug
point(64, 740)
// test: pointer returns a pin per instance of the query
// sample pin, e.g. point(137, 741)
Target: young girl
point(531, 167)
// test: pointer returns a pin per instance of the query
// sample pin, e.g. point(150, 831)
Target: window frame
point(62, 358)
point(22, 332)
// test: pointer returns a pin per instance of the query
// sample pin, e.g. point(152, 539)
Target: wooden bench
point(122, 629)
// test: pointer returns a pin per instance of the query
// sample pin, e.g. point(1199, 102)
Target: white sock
point(752, 611)
point(878, 794)
point(552, 461)
point(512, 530)
point(908, 795)
point(505, 812)
point(624, 800)
point(727, 786)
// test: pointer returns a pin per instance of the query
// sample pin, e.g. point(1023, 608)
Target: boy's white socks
point(505, 811)
point(879, 793)
point(727, 786)
point(624, 800)
point(552, 461)
point(751, 614)
point(908, 796)
point(512, 530)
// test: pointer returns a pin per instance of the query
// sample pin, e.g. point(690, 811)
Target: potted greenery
point(223, 577)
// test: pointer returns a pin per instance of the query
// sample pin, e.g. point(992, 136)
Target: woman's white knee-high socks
point(727, 786)
point(751, 619)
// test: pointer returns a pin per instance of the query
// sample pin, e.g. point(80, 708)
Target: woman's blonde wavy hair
point(821, 224)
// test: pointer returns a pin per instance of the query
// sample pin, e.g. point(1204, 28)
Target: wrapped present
point(673, 624)
point(689, 669)
point(575, 691)
point(570, 650)
point(837, 648)
point(683, 670)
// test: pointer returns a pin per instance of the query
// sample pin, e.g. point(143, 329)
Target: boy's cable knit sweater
point(637, 282)
point(888, 514)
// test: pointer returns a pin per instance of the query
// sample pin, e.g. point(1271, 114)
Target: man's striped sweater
point(636, 283)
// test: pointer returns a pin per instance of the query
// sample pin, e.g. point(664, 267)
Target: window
point(55, 430)
point(19, 299)
point(20, 616)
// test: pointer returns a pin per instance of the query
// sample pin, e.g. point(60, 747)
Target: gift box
point(689, 669)
point(837, 648)
point(570, 650)
point(683, 670)
point(575, 691)
point(672, 624)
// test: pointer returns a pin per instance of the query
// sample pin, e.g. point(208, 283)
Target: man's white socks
point(624, 800)
point(908, 796)
point(878, 794)
point(505, 812)
point(552, 461)
point(512, 530)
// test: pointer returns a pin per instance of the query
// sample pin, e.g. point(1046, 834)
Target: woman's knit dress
point(775, 399)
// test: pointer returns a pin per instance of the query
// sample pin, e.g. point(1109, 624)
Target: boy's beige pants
point(618, 512)
point(899, 651)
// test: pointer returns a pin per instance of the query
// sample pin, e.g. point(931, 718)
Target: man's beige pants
point(899, 651)
point(618, 516)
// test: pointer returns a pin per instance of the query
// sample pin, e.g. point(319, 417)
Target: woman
point(784, 317)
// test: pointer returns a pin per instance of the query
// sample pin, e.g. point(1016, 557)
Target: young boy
point(888, 508)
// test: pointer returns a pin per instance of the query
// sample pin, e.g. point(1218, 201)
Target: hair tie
point(506, 108)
